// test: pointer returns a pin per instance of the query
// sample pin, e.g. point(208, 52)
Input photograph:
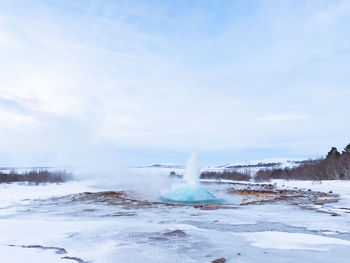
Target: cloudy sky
point(151, 81)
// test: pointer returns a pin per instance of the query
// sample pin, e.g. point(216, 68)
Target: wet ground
point(249, 223)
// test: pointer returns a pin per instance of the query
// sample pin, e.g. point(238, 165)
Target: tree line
point(335, 166)
point(35, 177)
point(226, 174)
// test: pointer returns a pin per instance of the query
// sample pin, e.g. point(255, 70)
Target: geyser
point(190, 190)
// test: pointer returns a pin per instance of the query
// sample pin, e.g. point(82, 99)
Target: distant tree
point(226, 174)
point(333, 153)
point(345, 162)
point(347, 149)
point(335, 166)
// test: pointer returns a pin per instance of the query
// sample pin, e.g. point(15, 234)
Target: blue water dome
point(188, 193)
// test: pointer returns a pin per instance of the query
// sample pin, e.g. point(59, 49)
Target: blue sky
point(151, 81)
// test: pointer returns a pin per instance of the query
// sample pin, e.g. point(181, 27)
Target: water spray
point(190, 190)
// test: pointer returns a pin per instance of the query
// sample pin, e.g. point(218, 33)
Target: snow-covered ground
point(250, 167)
point(41, 224)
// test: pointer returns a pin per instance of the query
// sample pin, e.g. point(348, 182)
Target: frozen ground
point(249, 166)
point(79, 222)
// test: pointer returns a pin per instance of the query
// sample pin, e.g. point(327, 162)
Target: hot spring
point(190, 191)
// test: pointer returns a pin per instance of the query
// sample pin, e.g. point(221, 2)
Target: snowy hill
point(162, 165)
point(253, 166)
point(250, 167)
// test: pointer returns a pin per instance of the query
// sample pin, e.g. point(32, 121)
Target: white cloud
point(330, 15)
point(282, 117)
point(148, 78)
point(12, 121)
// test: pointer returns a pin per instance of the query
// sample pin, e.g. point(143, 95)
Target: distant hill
point(253, 167)
point(166, 165)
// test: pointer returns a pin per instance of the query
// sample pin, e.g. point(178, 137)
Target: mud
point(75, 259)
point(255, 193)
point(176, 233)
point(58, 250)
point(126, 200)
point(219, 260)
point(267, 193)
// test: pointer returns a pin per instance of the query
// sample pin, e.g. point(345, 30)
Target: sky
point(141, 82)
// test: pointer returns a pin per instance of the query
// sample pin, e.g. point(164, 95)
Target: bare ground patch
point(268, 193)
point(250, 193)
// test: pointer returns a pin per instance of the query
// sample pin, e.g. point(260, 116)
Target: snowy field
point(250, 167)
point(58, 223)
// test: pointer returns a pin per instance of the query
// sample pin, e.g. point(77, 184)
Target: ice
point(283, 240)
point(98, 232)
point(21, 193)
point(19, 255)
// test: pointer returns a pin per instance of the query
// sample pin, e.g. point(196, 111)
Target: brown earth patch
point(250, 193)
point(219, 260)
point(254, 194)
point(112, 198)
point(175, 233)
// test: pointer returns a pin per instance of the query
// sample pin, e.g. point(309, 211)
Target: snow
point(162, 165)
point(340, 187)
point(20, 255)
point(284, 162)
point(253, 167)
point(98, 232)
point(283, 240)
point(12, 193)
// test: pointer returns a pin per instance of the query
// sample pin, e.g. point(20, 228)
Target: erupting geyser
point(190, 190)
